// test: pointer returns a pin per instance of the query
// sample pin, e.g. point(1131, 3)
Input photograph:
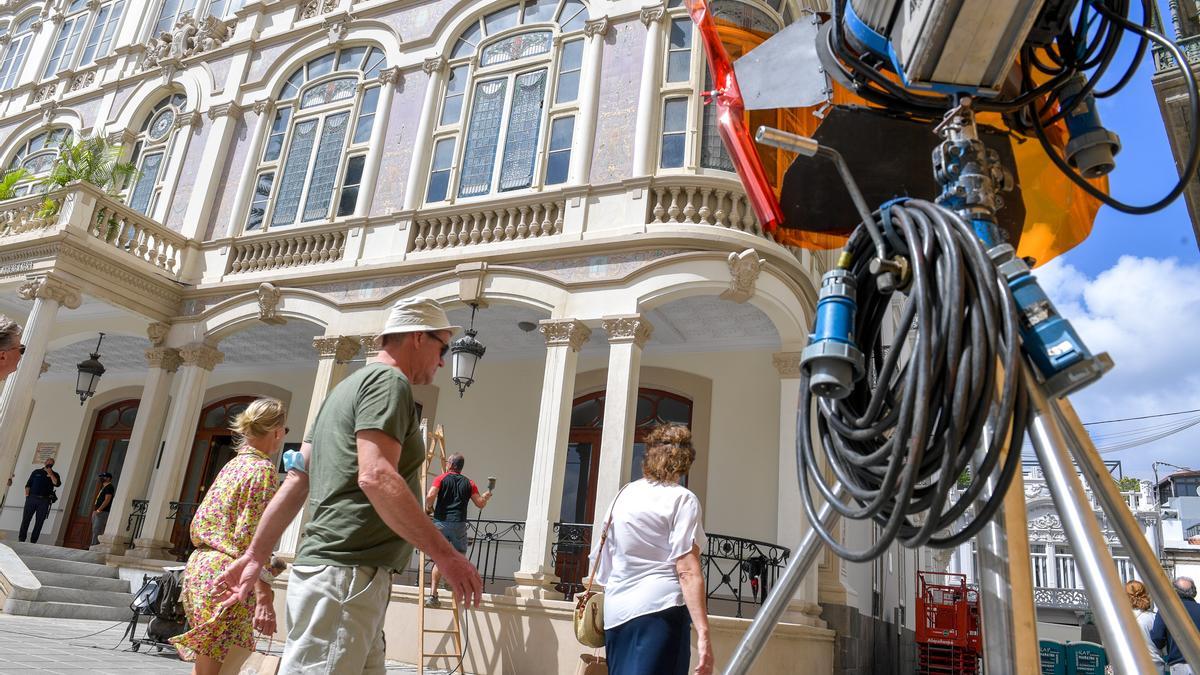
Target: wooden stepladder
point(435, 443)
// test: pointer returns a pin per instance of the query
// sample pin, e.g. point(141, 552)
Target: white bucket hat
point(416, 315)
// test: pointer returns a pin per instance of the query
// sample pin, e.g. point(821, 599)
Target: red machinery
point(948, 638)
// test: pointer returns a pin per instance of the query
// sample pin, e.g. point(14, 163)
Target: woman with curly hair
point(221, 531)
point(1140, 600)
point(650, 566)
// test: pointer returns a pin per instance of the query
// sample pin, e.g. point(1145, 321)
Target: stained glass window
point(482, 138)
point(143, 189)
point(324, 174)
point(295, 169)
point(516, 47)
point(521, 141)
point(329, 92)
point(160, 124)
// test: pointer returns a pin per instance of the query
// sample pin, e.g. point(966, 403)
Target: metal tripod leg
point(768, 615)
point(1179, 623)
point(1122, 636)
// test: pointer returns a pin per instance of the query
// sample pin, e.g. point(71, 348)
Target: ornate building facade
point(305, 163)
point(1171, 92)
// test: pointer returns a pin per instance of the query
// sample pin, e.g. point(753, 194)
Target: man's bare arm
point(431, 498)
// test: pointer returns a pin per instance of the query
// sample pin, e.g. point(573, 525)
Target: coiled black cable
point(901, 439)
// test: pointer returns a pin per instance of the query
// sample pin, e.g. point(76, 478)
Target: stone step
point(67, 610)
point(89, 596)
point(40, 564)
point(57, 552)
point(86, 583)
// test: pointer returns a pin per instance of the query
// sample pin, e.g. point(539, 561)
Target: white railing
point(472, 227)
point(689, 202)
point(136, 234)
point(280, 251)
point(18, 216)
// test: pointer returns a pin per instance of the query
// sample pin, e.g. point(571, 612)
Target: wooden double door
point(107, 445)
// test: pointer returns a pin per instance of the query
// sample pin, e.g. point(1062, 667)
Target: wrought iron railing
point(181, 536)
point(494, 541)
point(572, 543)
point(740, 571)
point(137, 518)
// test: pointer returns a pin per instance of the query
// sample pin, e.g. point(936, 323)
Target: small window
point(558, 163)
point(366, 116)
point(674, 132)
point(439, 174)
point(679, 54)
point(567, 89)
point(350, 184)
point(258, 207)
point(455, 88)
point(278, 131)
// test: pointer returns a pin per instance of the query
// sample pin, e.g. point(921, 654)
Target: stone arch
point(131, 113)
point(457, 18)
point(61, 117)
point(241, 311)
point(366, 33)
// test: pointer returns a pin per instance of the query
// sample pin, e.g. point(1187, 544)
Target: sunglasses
point(445, 345)
point(20, 349)
point(286, 431)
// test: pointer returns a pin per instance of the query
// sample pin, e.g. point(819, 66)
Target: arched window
point(316, 147)
point(508, 114)
point(97, 21)
point(170, 11)
point(19, 36)
point(743, 25)
point(152, 150)
point(37, 156)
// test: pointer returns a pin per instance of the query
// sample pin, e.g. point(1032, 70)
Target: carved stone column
point(414, 189)
point(626, 337)
point(217, 144)
point(649, 101)
point(589, 101)
point(198, 361)
point(791, 524)
point(141, 457)
point(48, 295)
point(334, 354)
point(564, 338)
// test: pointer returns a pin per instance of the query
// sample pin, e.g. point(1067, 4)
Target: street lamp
point(465, 353)
point(89, 374)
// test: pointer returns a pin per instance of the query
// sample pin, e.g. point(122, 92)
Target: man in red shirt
point(447, 501)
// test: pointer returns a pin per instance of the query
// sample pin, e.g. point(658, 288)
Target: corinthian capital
point(200, 355)
point(49, 288)
point(787, 363)
point(593, 27)
point(652, 14)
point(342, 348)
point(565, 333)
point(623, 329)
point(434, 65)
point(163, 357)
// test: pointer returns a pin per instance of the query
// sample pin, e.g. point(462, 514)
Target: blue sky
point(1133, 288)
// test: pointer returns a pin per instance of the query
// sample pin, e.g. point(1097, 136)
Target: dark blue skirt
point(651, 644)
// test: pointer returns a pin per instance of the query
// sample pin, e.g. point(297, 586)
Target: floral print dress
point(221, 530)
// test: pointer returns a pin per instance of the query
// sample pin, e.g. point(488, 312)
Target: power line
point(1143, 417)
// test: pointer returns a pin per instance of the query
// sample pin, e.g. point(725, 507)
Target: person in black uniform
point(38, 490)
point(104, 497)
point(447, 503)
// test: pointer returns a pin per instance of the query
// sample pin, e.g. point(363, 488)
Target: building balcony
point(1061, 598)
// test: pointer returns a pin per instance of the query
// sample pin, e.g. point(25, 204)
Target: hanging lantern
point(89, 374)
point(465, 353)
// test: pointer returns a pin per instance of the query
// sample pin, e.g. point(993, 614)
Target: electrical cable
point(905, 433)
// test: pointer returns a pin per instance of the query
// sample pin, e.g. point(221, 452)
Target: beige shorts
point(335, 620)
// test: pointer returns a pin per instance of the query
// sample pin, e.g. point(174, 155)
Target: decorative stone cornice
point(122, 137)
point(341, 348)
point(45, 92)
point(165, 358)
point(314, 8)
point(391, 76)
point(48, 110)
point(157, 332)
point(49, 288)
point(200, 355)
point(260, 107)
point(434, 65)
point(192, 119)
point(228, 108)
point(787, 363)
point(624, 329)
point(82, 81)
point(744, 269)
point(336, 25)
point(369, 345)
point(564, 333)
point(652, 14)
point(269, 297)
point(594, 27)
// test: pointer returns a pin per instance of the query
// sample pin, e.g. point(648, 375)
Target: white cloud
point(1145, 312)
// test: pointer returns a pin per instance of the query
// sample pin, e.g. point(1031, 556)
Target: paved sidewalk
point(74, 646)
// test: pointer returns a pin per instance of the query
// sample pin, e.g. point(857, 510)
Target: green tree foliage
point(8, 185)
point(88, 160)
point(1129, 484)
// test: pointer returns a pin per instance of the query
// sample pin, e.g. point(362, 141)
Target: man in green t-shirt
point(361, 477)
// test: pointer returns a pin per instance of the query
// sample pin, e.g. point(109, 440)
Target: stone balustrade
point(695, 200)
point(286, 249)
point(138, 235)
point(18, 216)
point(484, 224)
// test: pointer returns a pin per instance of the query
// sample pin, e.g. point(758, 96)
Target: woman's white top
point(653, 525)
point(1145, 619)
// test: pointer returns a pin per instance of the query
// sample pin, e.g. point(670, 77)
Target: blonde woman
point(650, 566)
point(221, 531)
point(1140, 600)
